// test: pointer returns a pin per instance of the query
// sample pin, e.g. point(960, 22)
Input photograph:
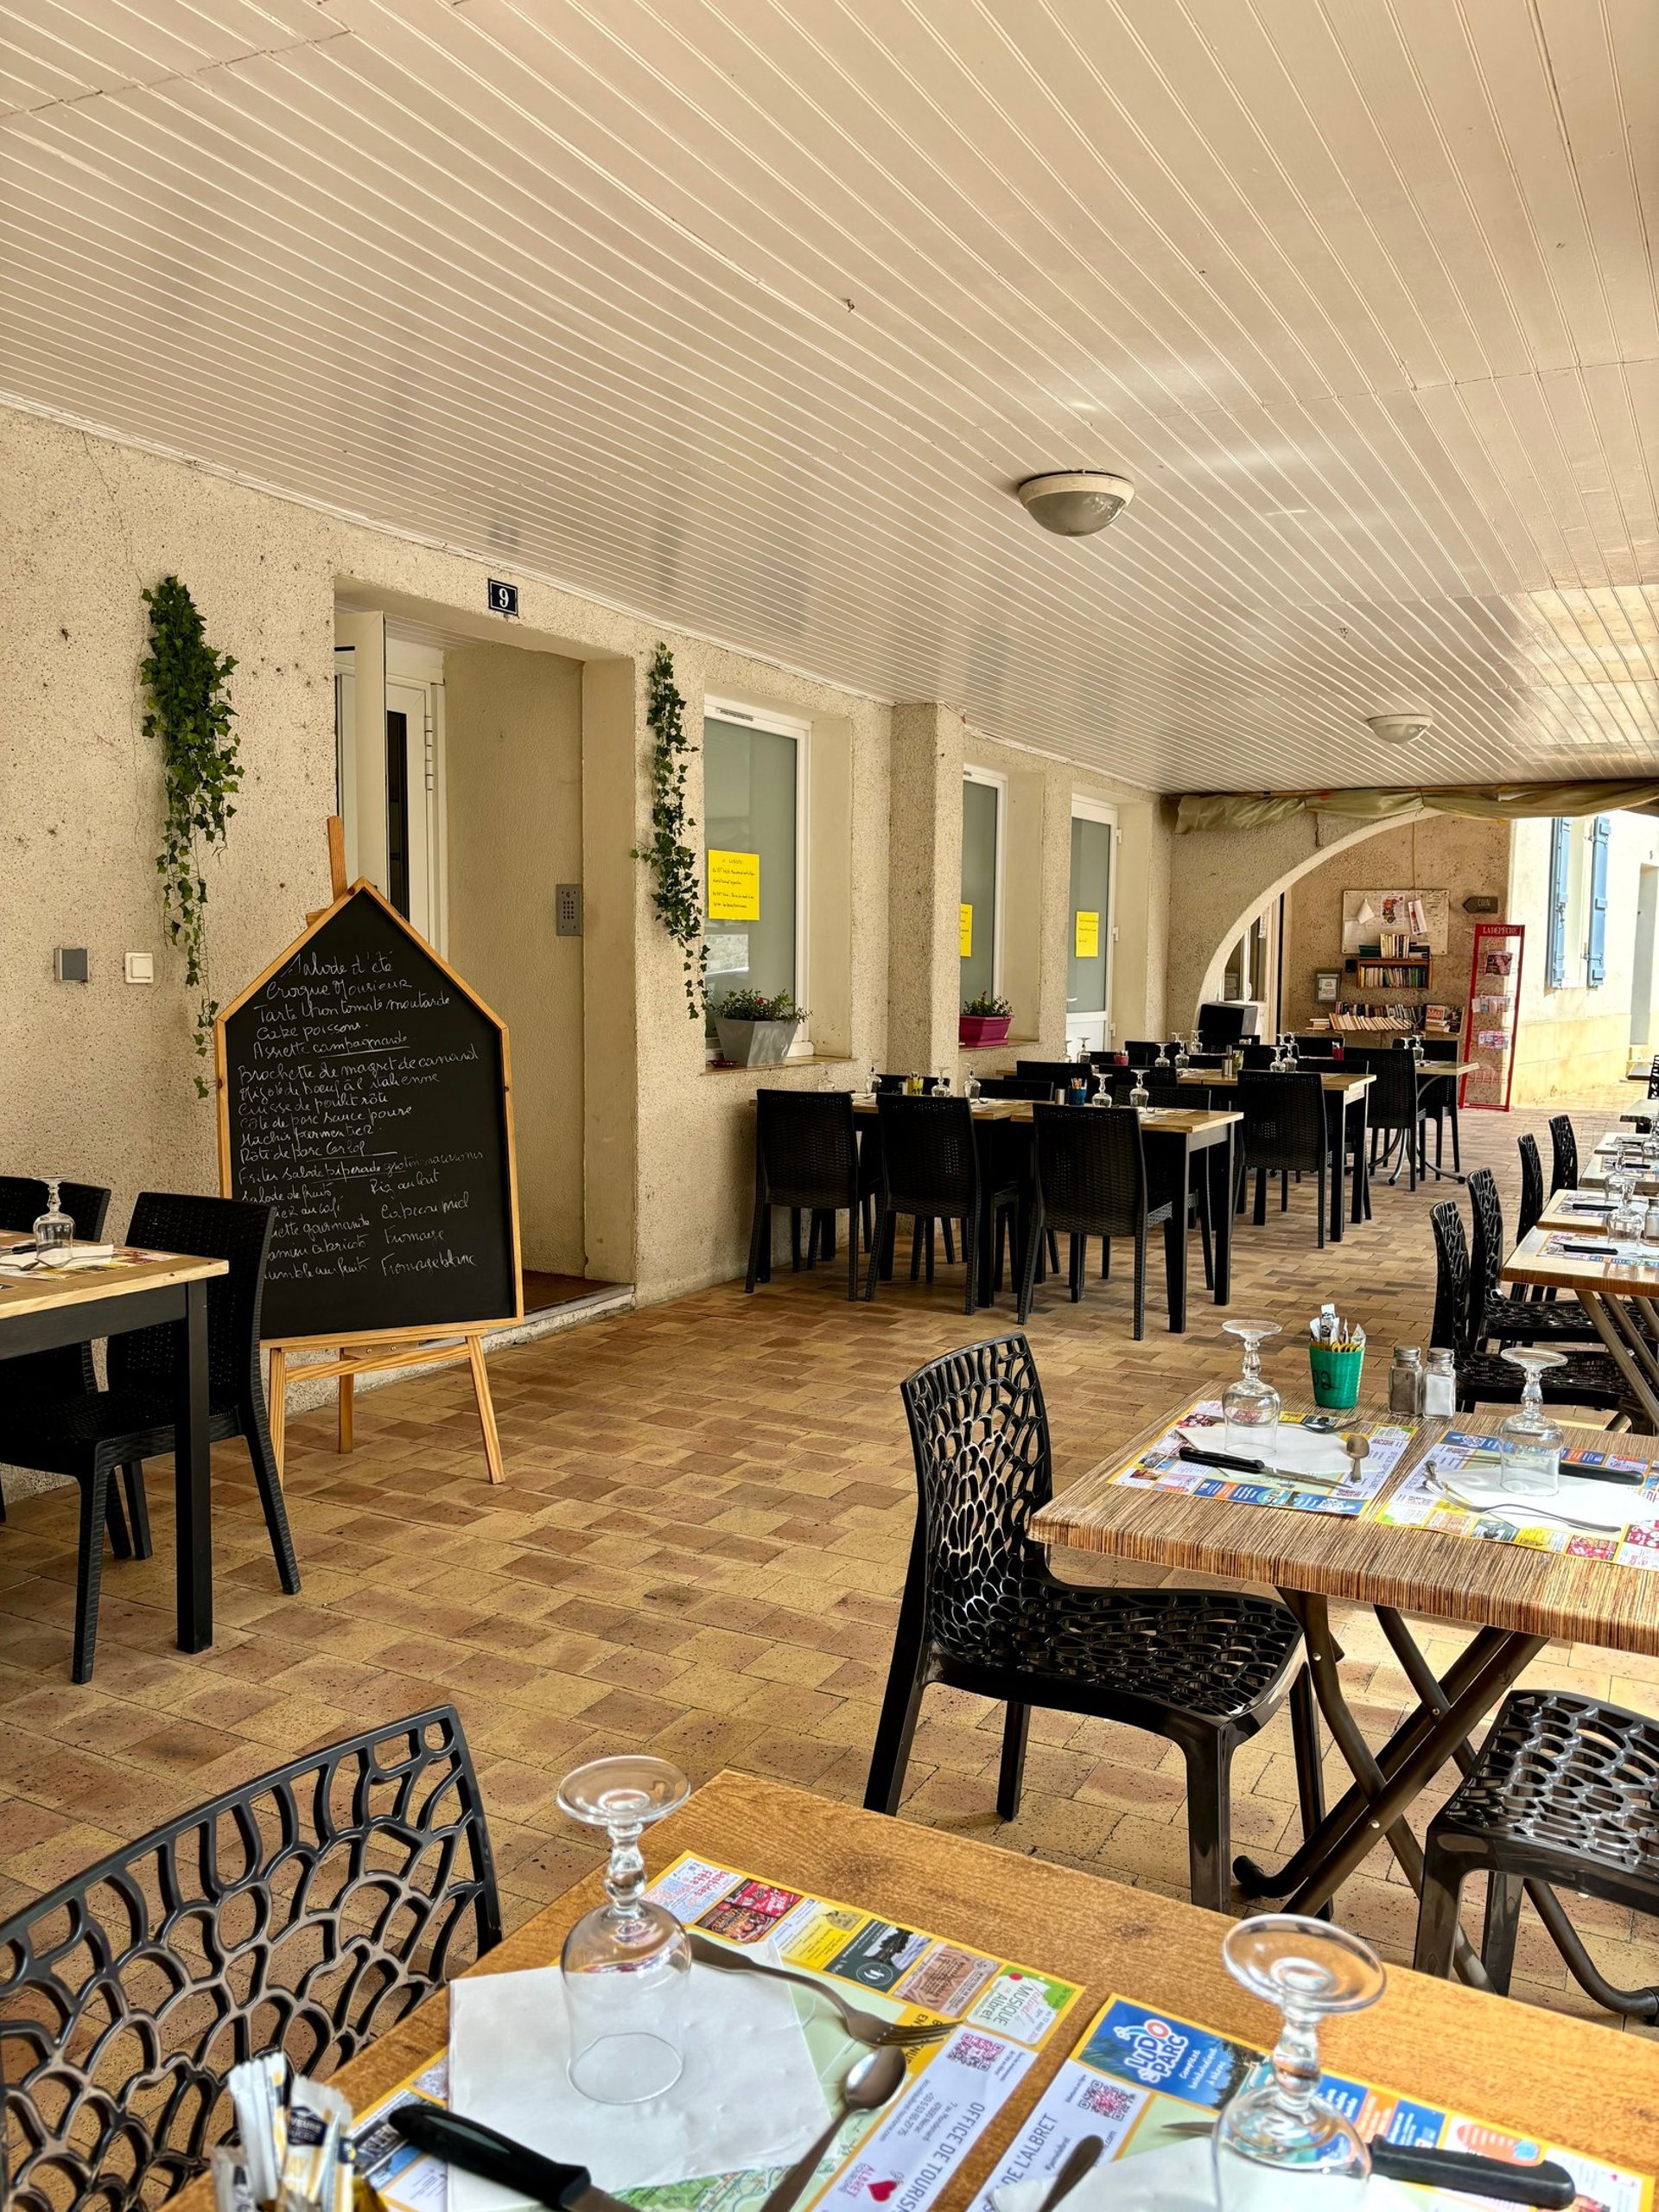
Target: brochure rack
point(1493, 1012)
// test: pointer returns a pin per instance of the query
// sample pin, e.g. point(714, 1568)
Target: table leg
point(1221, 1214)
point(192, 1507)
point(1609, 1326)
point(1338, 1126)
point(1175, 1235)
point(1362, 1113)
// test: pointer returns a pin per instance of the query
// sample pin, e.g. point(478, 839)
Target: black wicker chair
point(1487, 1378)
point(1284, 1133)
point(1395, 1108)
point(1256, 1060)
point(90, 1434)
point(1565, 1792)
point(309, 1910)
point(1511, 1320)
point(1564, 1154)
point(1532, 1206)
point(1142, 1051)
point(1088, 1176)
point(931, 1169)
point(1204, 1669)
point(1061, 1075)
point(1653, 1076)
point(1016, 1087)
point(64, 1372)
point(1440, 1099)
point(806, 1158)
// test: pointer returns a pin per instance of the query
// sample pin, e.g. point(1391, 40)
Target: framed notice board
point(1494, 1011)
point(364, 1093)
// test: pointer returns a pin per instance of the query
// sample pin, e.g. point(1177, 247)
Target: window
point(1578, 902)
point(1088, 985)
point(1595, 957)
point(983, 796)
point(1560, 861)
point(753, 805)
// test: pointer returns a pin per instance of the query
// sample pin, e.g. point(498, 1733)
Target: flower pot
point(755, 1043)
point(982, 1028)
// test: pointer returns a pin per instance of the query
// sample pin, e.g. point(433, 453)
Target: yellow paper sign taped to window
point(733, 886)
point(1086, 945)
point(966, 932)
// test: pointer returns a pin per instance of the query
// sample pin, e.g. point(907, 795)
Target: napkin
point(1291, 1449)
point(1180, 2178)
point(749, 2095)
point(1581, 1498)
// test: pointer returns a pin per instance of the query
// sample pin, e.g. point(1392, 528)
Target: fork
point(863, 2027)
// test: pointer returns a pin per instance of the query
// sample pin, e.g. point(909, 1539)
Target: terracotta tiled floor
point(700, 1548)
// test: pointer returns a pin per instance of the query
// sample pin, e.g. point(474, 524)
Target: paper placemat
point(1294, 1447)
point(1140, 2079)
point(1611, 1251)
point(1457, 1489)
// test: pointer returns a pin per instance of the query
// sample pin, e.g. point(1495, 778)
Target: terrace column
point(924, 876)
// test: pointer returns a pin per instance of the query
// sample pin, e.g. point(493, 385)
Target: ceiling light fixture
point(1075, 503)
point(1400, 729)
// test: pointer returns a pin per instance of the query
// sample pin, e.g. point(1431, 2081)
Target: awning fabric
point(1505, 802)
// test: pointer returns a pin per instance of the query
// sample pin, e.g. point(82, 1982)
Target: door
point(1647, 911)
point(1089, 953)
point(389, 767)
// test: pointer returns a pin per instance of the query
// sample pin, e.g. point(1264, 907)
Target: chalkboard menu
point(363, 1092)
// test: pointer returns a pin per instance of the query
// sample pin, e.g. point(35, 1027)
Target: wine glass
point(971, 1086)
point(54, 1232)
point(1180, 1054)
point(626, 1965)
point(1250, 1407)
point(1531, 1465)
point(1140, 1096)
point(1276, 2129)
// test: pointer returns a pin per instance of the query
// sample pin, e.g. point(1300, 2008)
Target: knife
point(1546, 2184)
point(480, 2150)
point(1078, 2161)
point(1195, 1456)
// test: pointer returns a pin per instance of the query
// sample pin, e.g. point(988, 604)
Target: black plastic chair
point(89, 1435)
point(1203, 1670)
point(1441, 1099)
point(1487, 1378)
point(806, 1158)
point(1653, 1076)
point(1090, 1179)
point(1532, 1206)
point(1142, 1051)
point(65, 1370)
point(1563, 1156)
point(1255, 1059)
point(1563, 1794)
point(1283, 1134)
point(1063, 1075)
point(309, 1910)
point(1395, 1108)
point(930, 1170)
point(1511, 1320)
point(1015, 1086)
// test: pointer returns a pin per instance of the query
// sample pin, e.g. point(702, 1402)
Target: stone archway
point(1233, 874)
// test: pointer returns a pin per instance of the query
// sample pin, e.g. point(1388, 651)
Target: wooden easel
point(386, 1348)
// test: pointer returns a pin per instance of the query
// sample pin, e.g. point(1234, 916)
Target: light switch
point(141, 967)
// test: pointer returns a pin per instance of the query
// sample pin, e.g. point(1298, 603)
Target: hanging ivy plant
point(677, 893)
point(191, 712)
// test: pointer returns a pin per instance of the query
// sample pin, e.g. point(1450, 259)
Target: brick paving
point(699, 1549)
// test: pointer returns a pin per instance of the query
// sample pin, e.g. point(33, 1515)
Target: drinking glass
point(1162, 1060)
point(1180, 1054)
point(1139, 1094)
point(1531, 1466)
point(1278, 2144)
point(970, 1087)
point(1250, 1407)
point(54, 1232)
point(626, 1965)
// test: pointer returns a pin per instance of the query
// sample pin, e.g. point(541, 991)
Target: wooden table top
point(1339, 1083)
point(1566, 2081)
point(1560, 1213)
point(1561, 1271)
point(154, 1271)
point(1462, 1578)
point(1174, 1121)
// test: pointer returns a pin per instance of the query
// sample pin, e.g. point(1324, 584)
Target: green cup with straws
point(1335, 1357)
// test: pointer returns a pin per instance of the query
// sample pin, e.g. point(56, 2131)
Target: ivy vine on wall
point(191, 712)
point(677, 892)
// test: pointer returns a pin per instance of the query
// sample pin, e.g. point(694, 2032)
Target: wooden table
point(1611, 1293)
point(40, 1314)
point(1562, 2080)
point(1180, 1136)
point(1516, 1598)
point(1345, 1094)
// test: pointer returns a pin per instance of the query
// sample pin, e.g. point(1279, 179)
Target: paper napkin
point(1581, 1498)
point(1176, 2177)
point(749, 2095)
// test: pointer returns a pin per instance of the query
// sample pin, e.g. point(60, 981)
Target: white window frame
point(1096, 809)
point(999, 783)
point(780, 725)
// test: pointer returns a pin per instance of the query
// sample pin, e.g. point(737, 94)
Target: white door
point(1089, 922)
point(388, 755)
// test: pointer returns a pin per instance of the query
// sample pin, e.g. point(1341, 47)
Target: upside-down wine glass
point(1251, 1406)
point(1140, 1096)
point(1530, 1465)
point(54, 1232)
point(1278, 2144)
point(626, 1965)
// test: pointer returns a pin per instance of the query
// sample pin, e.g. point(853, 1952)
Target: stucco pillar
point(925, 886)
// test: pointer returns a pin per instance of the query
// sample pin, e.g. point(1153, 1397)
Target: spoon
point(1357, 1446)
point(871, 2083)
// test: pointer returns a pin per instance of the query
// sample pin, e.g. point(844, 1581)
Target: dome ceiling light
point(1075, 503)
point(1400, 729)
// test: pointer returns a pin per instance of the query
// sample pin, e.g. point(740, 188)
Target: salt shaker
point(1441, 1383)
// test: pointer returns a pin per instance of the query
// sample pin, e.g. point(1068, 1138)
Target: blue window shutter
point(1600, 836)
point(1561, 831)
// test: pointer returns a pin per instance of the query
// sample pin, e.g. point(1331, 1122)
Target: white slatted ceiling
point(750, 312)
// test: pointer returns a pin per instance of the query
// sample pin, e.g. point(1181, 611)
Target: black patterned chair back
point(1487, 1245)
point(308, 1911)
point(980, 1435)
point(1091, 1169)
point(231, 1229)
point(1391, 1102)
point(1142, 1051)
point(1532, 1184)
point(1014, 1086)
point(66, 1370)
point(809, 1147)
point(1451, 1325)
point(1284, 1120)
point(1563, 1148)
point(1653, 1076)
point(928, 1163)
